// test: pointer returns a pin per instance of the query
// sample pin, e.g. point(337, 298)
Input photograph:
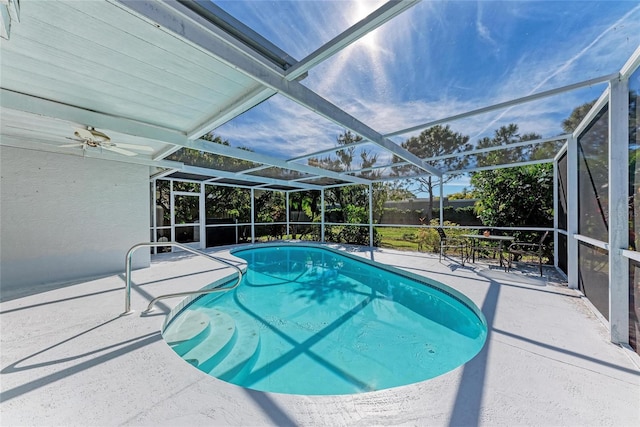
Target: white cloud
point(483, 30)
point(376, 79)
point(280, 127)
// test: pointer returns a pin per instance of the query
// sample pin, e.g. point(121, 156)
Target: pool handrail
point(127, 296)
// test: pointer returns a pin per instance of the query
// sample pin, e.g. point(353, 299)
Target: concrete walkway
point(68, 358)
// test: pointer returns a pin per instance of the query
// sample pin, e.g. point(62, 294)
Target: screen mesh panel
point(593, 276)
point(562, 192)
point(634, 210)
point(593, 174)
point(634, 305)
point(562, 253)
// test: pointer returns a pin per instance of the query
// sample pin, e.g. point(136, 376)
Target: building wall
point(65, 218)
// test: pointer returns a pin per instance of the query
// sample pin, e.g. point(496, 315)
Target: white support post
point(572, 212)
point(172, 207)
point(322, 215)
point(371, 215)
point(555, 213)
point(253, 216)
point(154, 214)
point(287, 208)
point(441, 201)
point(618, 211)
point(203, 218)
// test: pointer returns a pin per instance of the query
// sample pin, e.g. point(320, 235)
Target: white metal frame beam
point(327, 150)
point(502, 166)
point(9, 11)
point(43, 145)
point(507, 104)
point(555, 212)
point(397, 178)
point(373, 168)
point(466, 153)
point(225, 150)
point(196, 170)
point(380, 16)
point(572, 212)
point(259, 94)
point(31, 104)
point(500, 147)
point(631, 65)
point(175, 18)
point(595, 110)
point(229, 112)
point(618, 211)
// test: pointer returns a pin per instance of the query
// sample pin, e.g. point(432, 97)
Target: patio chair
point(451, 242)
point(524, 249)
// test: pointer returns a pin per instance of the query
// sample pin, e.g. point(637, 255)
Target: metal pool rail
point(127, 295)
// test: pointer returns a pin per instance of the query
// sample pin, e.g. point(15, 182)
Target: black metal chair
point(524, 249)
point(451, 242)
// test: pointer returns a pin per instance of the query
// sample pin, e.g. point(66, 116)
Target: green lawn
point(405, 238)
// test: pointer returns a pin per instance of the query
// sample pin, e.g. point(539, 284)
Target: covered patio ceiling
point(155, 77)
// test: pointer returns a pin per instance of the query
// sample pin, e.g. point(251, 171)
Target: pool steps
point(186, 331)
point(215, 346)
point(244, 352)
point(223, 347)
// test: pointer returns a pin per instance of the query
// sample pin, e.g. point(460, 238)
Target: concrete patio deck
point(68, 358)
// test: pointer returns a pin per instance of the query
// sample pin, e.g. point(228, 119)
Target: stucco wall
point(64, 218)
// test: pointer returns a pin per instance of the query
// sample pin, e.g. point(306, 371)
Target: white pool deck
point(68, 358)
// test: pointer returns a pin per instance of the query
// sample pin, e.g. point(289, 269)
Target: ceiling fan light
point(99, 136)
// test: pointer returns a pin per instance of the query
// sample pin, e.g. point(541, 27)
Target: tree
point(503, 137)
point(577, 115)
point(304, 202)
point(270, 207)
point(356, 195)
point(432, 142)
point(515, 197)
point(193, 157)
point(464, 194)
point(223, 202)
point(395, 190)
point(349, 204)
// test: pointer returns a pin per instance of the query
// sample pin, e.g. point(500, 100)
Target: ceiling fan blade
point(83, 133)
point(118, 150)
point(77, 144)
point(134, 147)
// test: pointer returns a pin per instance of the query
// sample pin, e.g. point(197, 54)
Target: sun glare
point(358, 11)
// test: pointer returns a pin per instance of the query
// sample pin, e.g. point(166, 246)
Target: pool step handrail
point(127, 296)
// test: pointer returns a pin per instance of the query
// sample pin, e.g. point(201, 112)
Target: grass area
point(402, 238)
point(405, 238)
point(409, 238)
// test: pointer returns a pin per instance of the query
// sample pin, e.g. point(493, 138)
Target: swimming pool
point(312, 320)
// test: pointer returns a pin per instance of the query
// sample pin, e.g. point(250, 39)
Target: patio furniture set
point(472, 246)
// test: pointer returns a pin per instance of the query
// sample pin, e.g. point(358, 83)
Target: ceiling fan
point(90, 137)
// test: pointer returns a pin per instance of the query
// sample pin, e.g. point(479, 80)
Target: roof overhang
point(158, 74)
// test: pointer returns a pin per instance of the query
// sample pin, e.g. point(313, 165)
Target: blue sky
point(435, 60)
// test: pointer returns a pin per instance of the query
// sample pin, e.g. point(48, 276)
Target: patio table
point(491, 238)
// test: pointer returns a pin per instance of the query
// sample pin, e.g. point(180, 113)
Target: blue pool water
point(310, 320)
